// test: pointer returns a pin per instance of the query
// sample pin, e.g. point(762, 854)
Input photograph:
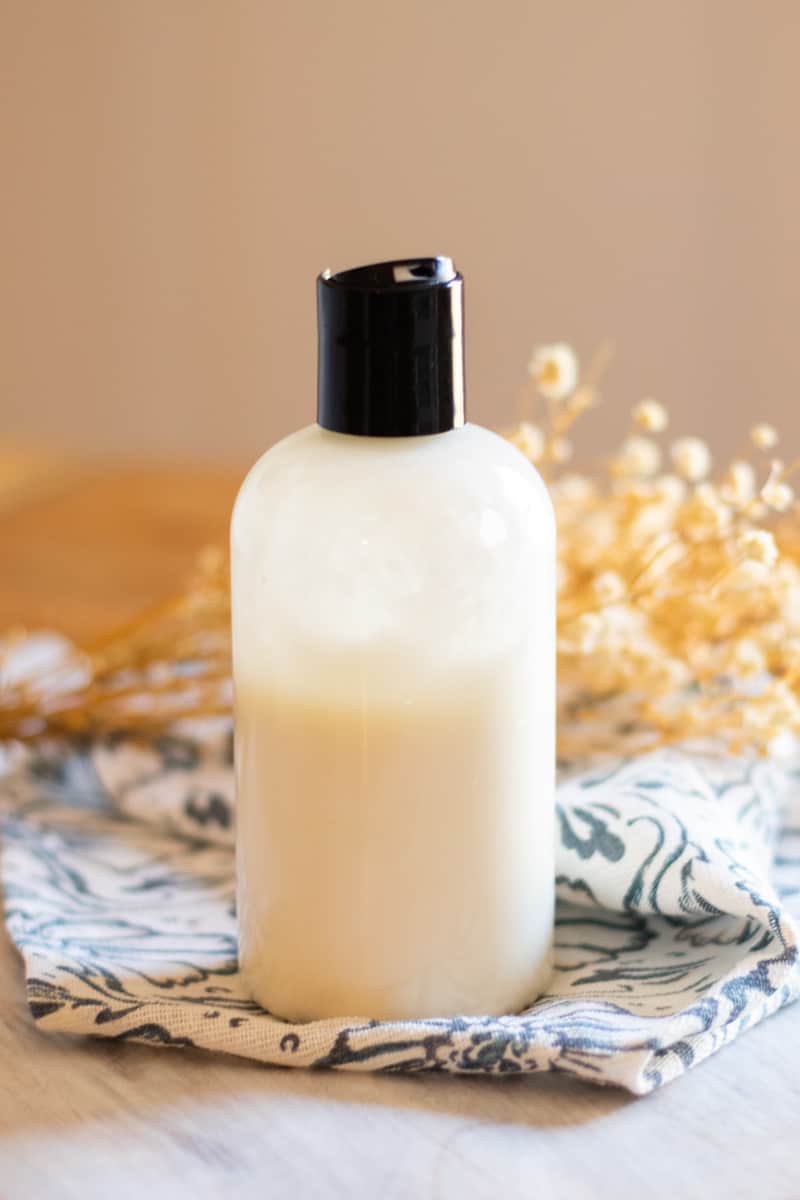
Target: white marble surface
point(81, 1120)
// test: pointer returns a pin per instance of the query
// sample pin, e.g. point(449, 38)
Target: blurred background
point(176, 172)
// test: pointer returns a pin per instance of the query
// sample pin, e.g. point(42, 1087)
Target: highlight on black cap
point(391, 348)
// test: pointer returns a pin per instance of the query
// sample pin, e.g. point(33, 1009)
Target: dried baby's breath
point(172, 662)
point(692, 458)
point(651, 416)
point(554, 370)
point(738, 484)
point(530, 440)
point(638, 457)
point(678, 598)
point(776, 493)
point(764, 437)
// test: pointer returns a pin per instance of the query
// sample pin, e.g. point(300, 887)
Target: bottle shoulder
point(402, 552)
point(461, 470)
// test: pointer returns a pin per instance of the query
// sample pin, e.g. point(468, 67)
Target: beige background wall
point(176, 172)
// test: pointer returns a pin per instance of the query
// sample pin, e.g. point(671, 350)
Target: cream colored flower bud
point(739, 485)
point(651, 416)
point(747, 657)
point(554, 370)
point(750, 574)
point(637, 457)
point(764, 436)
point(777, 495)
point(670, 489)
point(692, 458)
point(704, 515)
point(589, 628)
point(758, 545)
point(574, 489)
point(530, 440)
point(608, 587)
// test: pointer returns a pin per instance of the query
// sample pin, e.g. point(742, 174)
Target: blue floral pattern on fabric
point(678, 885)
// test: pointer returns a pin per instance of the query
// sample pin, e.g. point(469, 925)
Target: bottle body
point(394, 671)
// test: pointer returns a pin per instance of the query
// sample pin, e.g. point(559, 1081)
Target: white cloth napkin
point(678, 876)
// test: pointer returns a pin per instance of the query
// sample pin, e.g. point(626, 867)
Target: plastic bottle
point(394, 649)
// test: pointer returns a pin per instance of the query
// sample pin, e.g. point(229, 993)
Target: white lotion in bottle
point(393, 594)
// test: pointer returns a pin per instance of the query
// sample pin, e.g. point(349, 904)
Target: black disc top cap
point(391, 350)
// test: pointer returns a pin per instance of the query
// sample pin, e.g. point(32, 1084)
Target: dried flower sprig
point(679, 593)
point(171, 663)
point(679, 599)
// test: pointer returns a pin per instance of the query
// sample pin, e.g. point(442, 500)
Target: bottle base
point(355, 1004)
